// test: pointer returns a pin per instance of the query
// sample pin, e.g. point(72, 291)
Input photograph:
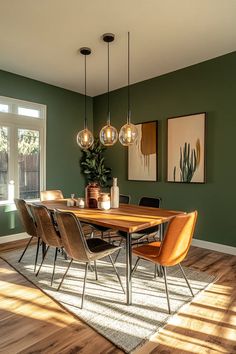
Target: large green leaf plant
point(93, 166)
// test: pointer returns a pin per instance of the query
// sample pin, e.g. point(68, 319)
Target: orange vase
point(92, 192)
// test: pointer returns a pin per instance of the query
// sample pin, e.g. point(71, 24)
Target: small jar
point(80, 203)
point(70, 202)
point(104, 202)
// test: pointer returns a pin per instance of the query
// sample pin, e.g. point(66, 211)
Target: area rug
point(128, 327)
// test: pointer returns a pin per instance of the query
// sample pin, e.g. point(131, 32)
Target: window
point(4, 107)
point(28, 112)
point(22, 149)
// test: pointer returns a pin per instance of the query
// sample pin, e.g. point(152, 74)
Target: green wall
point(206, 87)
point(64, 119)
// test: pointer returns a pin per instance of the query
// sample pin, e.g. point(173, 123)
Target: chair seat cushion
point(142, 233)
point(97, 245)
point(148, 251)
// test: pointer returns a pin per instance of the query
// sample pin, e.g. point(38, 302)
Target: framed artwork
point(186, 148)
point(142, 155)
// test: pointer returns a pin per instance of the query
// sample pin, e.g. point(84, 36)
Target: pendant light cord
point(129, 110)
point(85, 93)
point(108, 85)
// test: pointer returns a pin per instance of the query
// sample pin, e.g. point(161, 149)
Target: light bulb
point(108, 135)
point(85, 139)
point(128, 134)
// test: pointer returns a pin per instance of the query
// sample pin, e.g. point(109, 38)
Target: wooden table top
point(128, 217)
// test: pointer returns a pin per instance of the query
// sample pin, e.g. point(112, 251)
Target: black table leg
point(128, 270)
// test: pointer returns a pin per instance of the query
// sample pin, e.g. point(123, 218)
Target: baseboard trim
point(15, 237)
point(214, 246)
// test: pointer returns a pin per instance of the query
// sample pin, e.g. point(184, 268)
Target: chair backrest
point(177, 240)
point(124, 199)
point(72, 236)
point(150, 202)
point(51, 195)
point(25, 217)
point(45, 225)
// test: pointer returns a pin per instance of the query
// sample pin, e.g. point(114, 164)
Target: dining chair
point(29, 226)
point(172, 250)
point(81, 249)
point(143, 234)
point(46, 230)
point(124, 199)
point(51, 195)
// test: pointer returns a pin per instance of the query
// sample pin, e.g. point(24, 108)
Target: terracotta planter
point(92, 192)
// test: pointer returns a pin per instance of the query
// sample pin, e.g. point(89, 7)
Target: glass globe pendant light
point(85, 137)
point(129, 132)
point(108, 134)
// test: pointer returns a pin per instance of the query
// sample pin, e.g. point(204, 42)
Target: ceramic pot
point(92, 192)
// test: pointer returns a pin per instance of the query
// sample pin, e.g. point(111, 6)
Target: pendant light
point(85, 137)
point(129, 132)
point(108, 134)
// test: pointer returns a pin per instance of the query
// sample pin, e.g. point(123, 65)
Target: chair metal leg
point(65, 274)
point(135, 266)
point(63, 253)
point(166, 286)
point(184, 275)
point(156, 271)
point(36, 256)
point(96, 271)
point(25, 249)
point(44, 256)
point(117, 274)
point(117, 255)
point(54, 265)
point(85, 278)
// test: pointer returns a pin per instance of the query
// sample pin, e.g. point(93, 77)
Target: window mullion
point(12, 169)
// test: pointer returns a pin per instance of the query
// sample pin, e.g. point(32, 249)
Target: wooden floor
point(31, 322)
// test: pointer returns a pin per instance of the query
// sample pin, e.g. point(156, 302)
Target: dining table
point(129, 218)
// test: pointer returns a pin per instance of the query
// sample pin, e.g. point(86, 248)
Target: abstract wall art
point(186, 148)
point(142, 155)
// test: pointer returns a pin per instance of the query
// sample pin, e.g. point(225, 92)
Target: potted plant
point(96, 173)
point(93, 165)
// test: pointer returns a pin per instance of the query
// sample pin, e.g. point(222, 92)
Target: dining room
point(117, 232)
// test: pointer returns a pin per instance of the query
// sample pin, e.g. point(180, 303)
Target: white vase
point(115, 194)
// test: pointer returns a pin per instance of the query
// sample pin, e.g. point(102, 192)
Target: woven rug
point(104, 308)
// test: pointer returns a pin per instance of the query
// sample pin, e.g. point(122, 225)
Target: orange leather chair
point(173, 249)
point(51, 195)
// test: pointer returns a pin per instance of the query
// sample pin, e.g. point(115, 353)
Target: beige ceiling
point(40, 38)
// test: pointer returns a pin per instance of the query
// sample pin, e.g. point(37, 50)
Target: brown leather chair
point(173, 249)
point(80, 249)
point(29, 226)
point(46, 231)
point(51, 195)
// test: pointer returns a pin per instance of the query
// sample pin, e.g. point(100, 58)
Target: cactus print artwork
point(186, 149)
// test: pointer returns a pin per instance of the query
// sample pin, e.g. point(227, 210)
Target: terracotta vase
point(92, 192)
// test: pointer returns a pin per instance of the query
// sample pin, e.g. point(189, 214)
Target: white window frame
point(15, 121)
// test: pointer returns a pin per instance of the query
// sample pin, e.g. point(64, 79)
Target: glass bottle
point(115, 194)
